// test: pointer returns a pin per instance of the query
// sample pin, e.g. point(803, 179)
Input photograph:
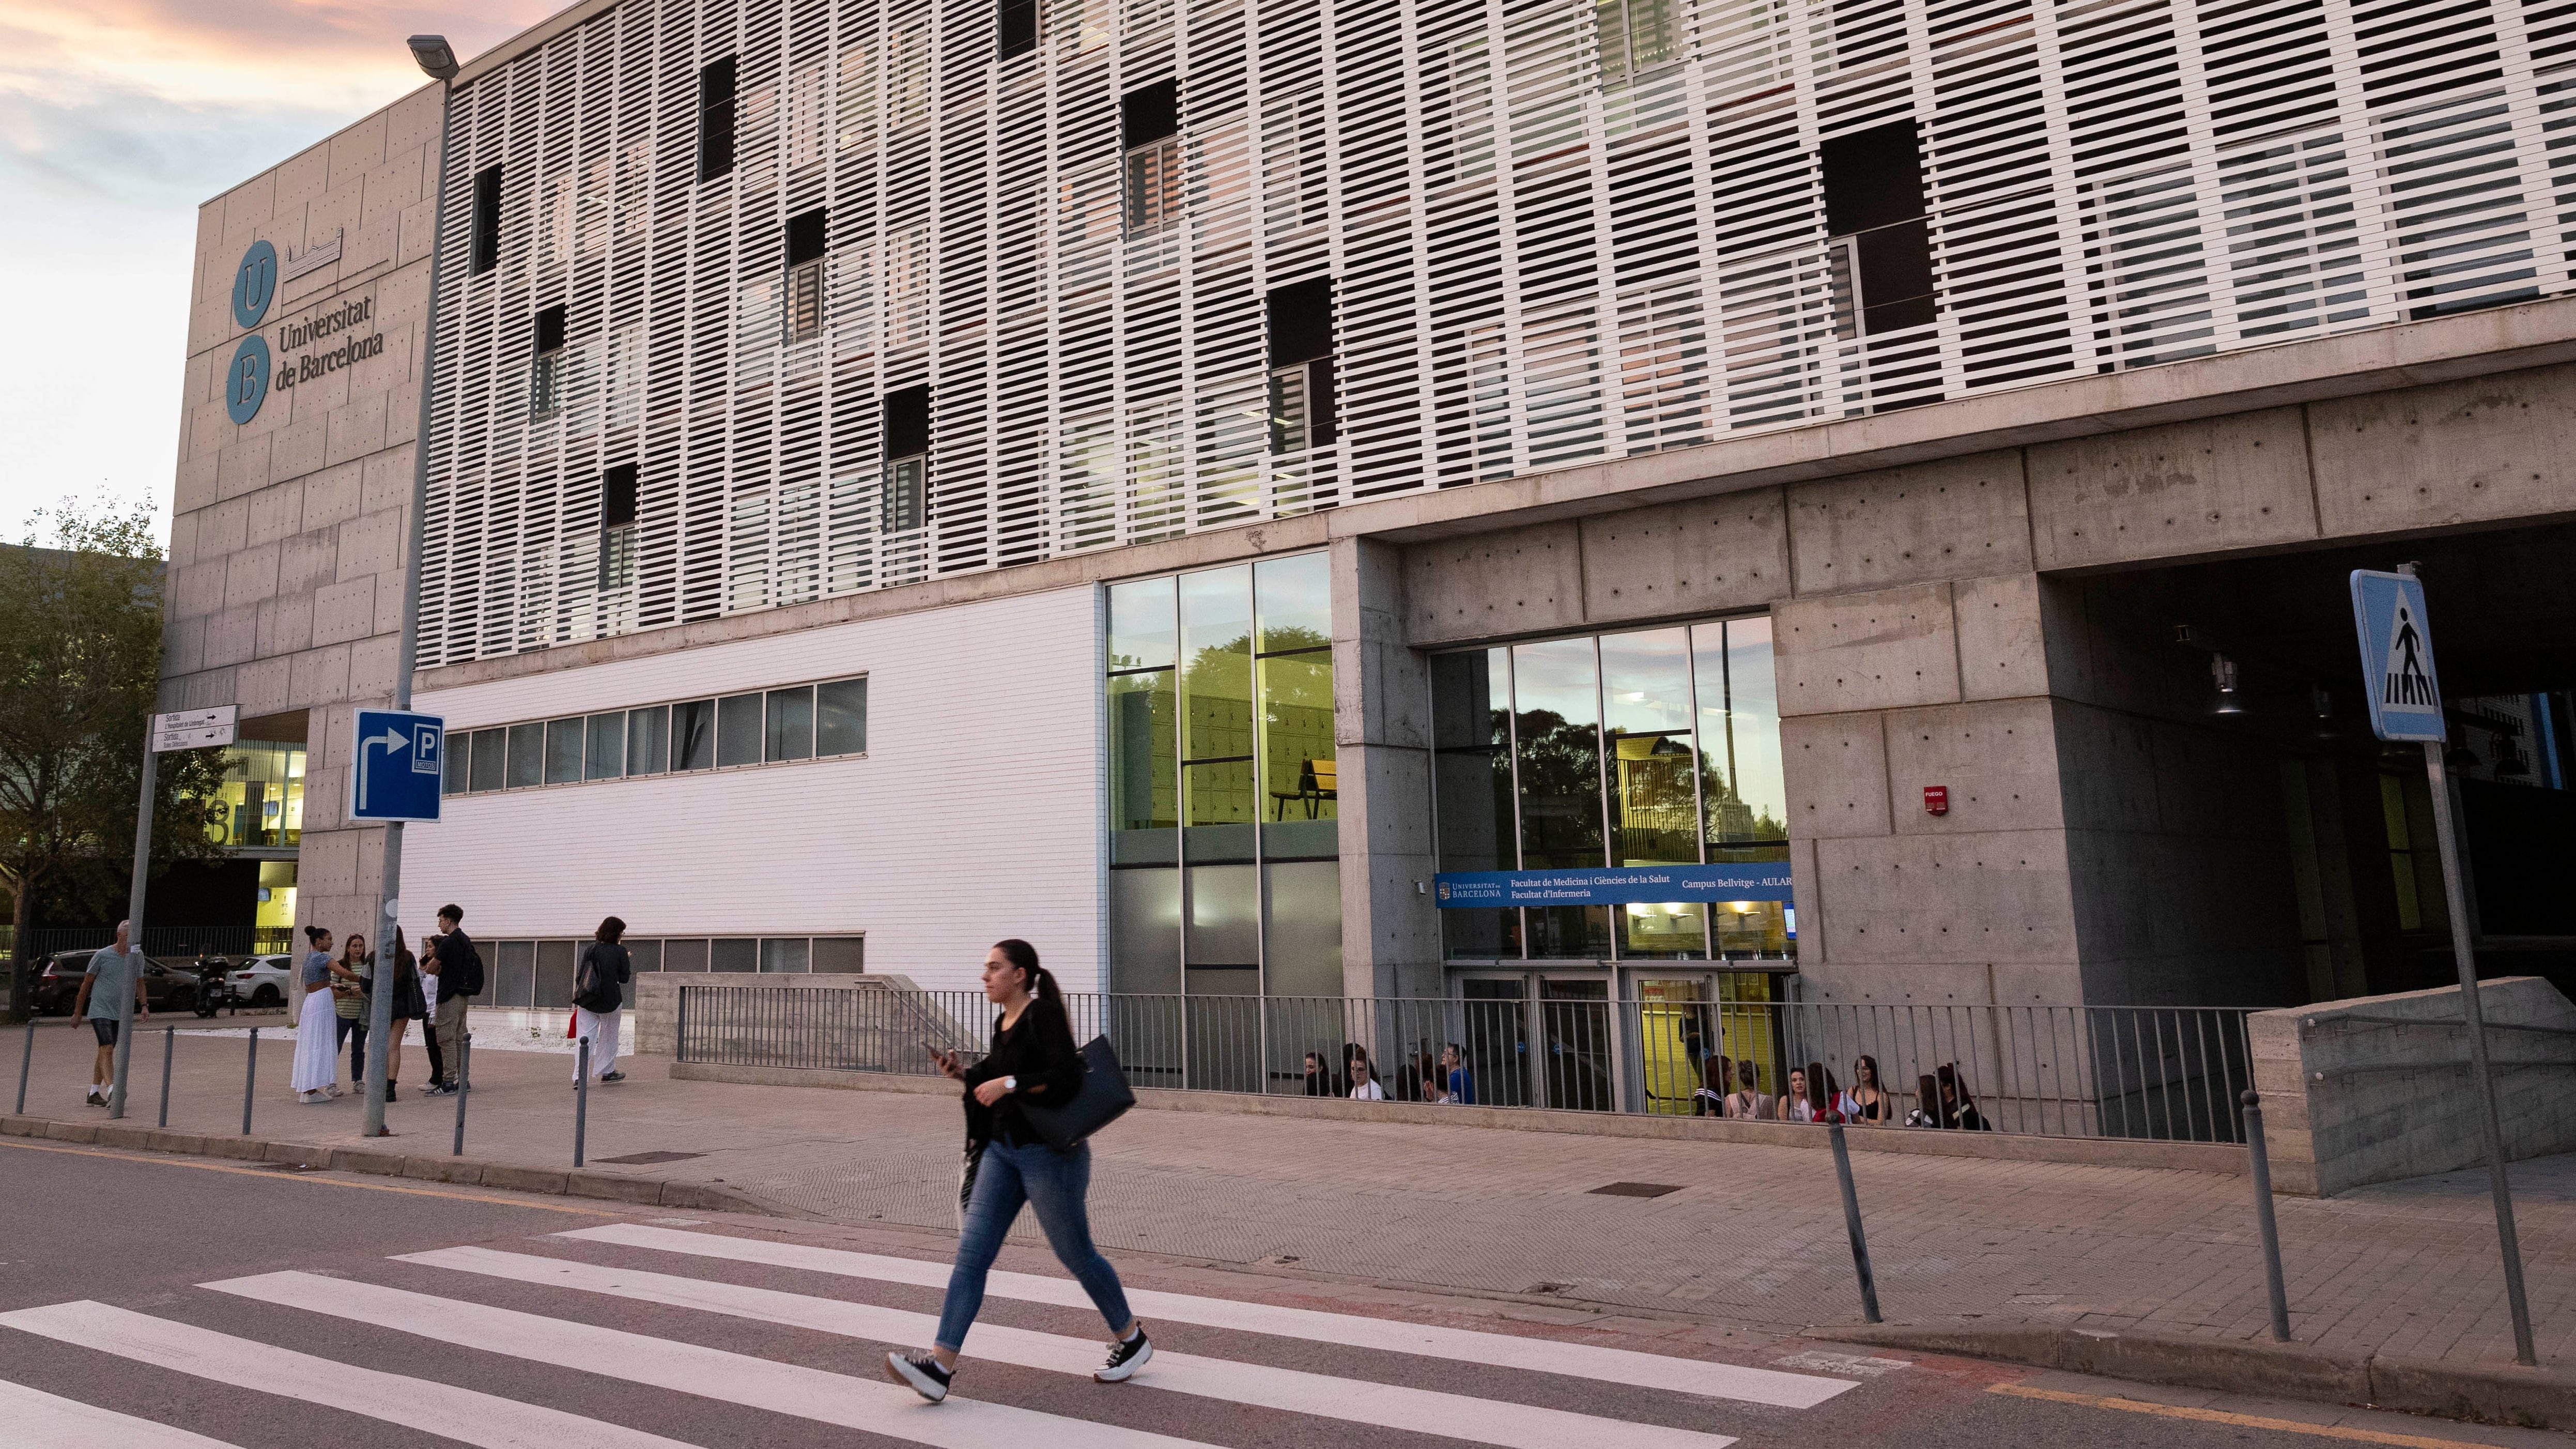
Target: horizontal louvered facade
point(1554, 234)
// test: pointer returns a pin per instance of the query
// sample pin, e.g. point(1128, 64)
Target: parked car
point(167, 986)
point(261, 980)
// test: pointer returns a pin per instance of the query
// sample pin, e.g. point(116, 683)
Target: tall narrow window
point(1635, 36)
point(617, 527)
point(1149, 131)
point(715, 119)
point(805, 274)
point(483, 248)
point(1874, 210)
point(907, 458)
point(1300, 319)
point(1015, 28)
point(546, 368)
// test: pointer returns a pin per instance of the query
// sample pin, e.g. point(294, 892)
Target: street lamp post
point(437, 59)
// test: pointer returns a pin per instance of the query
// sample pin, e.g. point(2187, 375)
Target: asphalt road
point(717, 1333)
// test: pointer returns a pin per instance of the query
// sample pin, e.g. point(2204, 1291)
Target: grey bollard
point(2260, 1159)
point(26, 1059)
point(581, 1103)
point(250, 1079)
point(464, 1080)
point(169, 1043)
point(1852, 1228)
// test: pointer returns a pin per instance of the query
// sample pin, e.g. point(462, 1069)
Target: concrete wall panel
point(1909, 525)
point(2452, 453)
point(1709, 555)
point(1999, 762)
point(1956, 900)
point(2004, 640)
point(1834, 768)
point(1521, 581)
point(1885, 650)
point(2208, 486)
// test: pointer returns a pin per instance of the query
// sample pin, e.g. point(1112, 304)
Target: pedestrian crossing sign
point(2397, 657)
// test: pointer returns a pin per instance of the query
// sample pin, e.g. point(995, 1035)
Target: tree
point(80, 665)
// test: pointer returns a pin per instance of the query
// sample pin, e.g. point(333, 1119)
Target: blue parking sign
point(395, 767)
point(2397, 657)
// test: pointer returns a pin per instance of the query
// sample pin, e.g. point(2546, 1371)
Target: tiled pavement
point(1753, 1235)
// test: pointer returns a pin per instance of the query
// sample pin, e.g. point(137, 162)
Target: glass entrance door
point(1701, 1030)
point(1574, 1024)
point(1494, 1034)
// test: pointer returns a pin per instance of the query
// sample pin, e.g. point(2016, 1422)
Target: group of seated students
point(1734, 1089)
point(1420, 1077)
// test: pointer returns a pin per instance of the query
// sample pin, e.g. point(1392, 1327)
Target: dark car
point(168, 986)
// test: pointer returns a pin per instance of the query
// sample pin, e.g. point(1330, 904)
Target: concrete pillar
point(1381, 734)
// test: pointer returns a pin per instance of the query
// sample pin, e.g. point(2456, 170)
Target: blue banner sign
point(1632, 884)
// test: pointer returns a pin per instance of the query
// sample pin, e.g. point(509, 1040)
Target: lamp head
point(2222, 671)
point(436, 57)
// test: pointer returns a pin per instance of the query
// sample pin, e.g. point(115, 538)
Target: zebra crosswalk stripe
point(1534, 1355)
point(464, 1415)
point(869, 1405)
point(39, 1420)
point(1387, 1406)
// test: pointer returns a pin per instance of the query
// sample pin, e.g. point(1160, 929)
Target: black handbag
point(1099, 1101)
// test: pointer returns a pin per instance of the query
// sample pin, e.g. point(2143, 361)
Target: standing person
point(1462, 1083)
point(352, 976)
point(460, 979)
point(599, 999)
point(317, 1046)
point(1033, 1060)
point(429, 974)
point(409, 1006)
point(109, 972)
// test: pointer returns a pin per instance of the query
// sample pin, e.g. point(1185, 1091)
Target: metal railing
point(158, 941)
point(2168, 1073)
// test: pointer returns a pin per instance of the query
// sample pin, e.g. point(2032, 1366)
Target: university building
point(1701, 500)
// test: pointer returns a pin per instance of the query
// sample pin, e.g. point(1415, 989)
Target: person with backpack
point(460, 978)
point(1034, 1063)
point(599, 1000)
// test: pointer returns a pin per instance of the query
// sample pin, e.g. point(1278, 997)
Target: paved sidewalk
point(1753, 1234)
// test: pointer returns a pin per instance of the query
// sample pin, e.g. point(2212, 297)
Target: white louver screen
point(1559, 232)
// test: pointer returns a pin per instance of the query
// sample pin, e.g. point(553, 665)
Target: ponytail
point(313, 936)
point(1041, 982)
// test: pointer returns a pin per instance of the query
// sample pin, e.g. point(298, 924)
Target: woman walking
point(599, 998)
point(317, 1052)
point(1033, 1060)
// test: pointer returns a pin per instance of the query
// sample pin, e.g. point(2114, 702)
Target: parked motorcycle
point(215, 986)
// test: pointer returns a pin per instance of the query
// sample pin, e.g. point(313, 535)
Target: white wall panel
point(973, 816)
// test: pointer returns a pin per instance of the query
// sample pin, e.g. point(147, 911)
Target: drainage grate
point(640, 1159)
point(1637, 1189)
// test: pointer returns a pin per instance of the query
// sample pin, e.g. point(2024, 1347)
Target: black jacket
point(455, 958)
point(598, 983)
point(1039, 1050)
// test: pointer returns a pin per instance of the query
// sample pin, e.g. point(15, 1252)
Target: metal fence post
point(1852, 1228)
point(464, 1081)
point(26, 1059)
point(2260, 1157)
point(680, 1029)
point(169, 1044)
point(250, 1079)
point(581, 1103)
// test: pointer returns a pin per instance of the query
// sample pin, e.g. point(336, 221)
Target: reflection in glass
point(648, 740)
point(791, 725)
point(488, 772)
point(1145, 930)
point(1217, 801)
point(1144, 775)
point(738, 730)
point(1481, 935)
point(1298, 771)
point(737, 954)
point(786, 954)
point(527, 755)
point(1303, 949)
point(607, 752)
point(261, 802)
point(1568, 933)
point(1216, 669)
point(563, 751)
point(1575, 1018)
point(1142, 625)
point(1295, 599)
point(1741, 790)
point(460, 765)
point(841, 717)
point(693, 735)
point(1225, 918)
point(1556, 726)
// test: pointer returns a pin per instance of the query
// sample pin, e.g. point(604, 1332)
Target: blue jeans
point(1053, 1184)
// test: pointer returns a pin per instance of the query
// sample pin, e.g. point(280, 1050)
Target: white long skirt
point(317, 1056)
point(602, 1029)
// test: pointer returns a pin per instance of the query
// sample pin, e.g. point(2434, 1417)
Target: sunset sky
point(117, 118)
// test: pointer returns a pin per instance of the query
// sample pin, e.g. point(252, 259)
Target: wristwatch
point(1010, 1084)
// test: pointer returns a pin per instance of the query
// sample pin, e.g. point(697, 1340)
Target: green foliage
point(80, 661)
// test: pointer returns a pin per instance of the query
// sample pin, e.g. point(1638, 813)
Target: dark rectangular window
point(483, 248)
point(791, 725)
point(841, 717)
point(1149, 113)
point(738, 730)
point(1015, 28)
point(805, 236)
point(617, 528)
point(1874, 199)
point(715, 119)
point(617, 496)
point(487, 772)
point(550, 329)
point(693, 735)
point(906, 419)
point(527, 755)
point(1300, 327)
point(545, 372)
point(907, 422)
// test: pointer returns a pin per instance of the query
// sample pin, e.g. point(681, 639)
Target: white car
point(261, 980)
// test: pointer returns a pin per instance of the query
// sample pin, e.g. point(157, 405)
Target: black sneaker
point(919, 1372)
point(1125, 1357)
point(614, 1077)
point(438, 1089)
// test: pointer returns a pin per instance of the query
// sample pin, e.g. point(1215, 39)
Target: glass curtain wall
point(1224, 875)
point(1656, 747)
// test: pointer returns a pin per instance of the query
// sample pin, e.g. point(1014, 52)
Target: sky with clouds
point(117, 118)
